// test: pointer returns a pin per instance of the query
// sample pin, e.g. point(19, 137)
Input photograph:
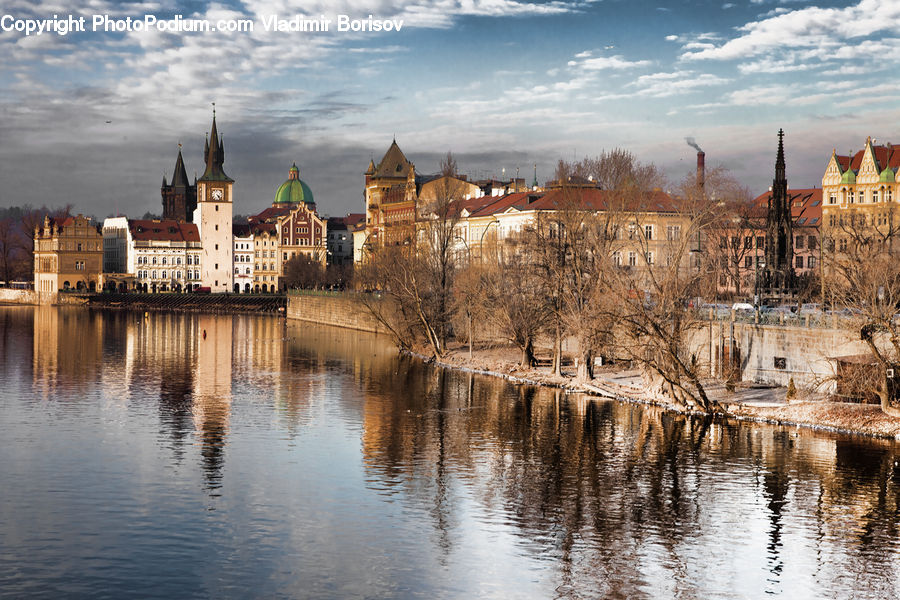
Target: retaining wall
point(340, 310)
point(11, 296)
point(775, 354)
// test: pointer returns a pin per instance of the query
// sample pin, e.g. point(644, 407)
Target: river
point(186, 455)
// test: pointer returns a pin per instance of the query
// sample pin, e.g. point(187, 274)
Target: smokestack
point(701, 169)
point(701, 161)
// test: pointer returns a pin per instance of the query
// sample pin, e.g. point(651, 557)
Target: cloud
point(602, 63)
point(812, 27)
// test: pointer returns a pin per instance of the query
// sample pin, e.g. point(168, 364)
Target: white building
point(161, 256)
point(244, 252)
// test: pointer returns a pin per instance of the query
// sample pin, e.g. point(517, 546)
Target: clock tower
point(213, 217)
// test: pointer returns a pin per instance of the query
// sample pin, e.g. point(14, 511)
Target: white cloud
point(601, 63)
point(811, 27)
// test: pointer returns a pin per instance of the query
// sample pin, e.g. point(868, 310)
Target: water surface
point(160, 456)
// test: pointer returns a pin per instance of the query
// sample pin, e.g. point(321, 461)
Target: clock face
point(216, 194)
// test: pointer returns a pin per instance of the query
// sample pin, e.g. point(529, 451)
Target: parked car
point(810, 309)
point(742, 307)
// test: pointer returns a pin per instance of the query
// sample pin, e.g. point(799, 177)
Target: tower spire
point(780, 174)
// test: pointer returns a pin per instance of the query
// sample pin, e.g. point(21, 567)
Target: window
point(748, 262)
point(735, 241)
point(617, 258)
point(780, 362)
point(811, 262)
point(799, 262)
point(673, 232)
point(285, 256)
point(217, 246)
point(164, 259)
point(832, 198)
point(79, 247)
point(798, 243)
point(851, 196)
point(163, 274)
point(648, 231)
point(888, 195)
point(153, 275)
point(217, 227)
point(154, 260)
point(760, 242)
point(649, 257)
point(811, 242)
point(874, 195)
point(632, 259)
point(748, 242)
point(217, 266)
point(79, 265)
point(843, 244)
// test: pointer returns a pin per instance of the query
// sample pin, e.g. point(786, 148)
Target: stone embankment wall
point(340, 310)
point(11, 296)
point(775, 354)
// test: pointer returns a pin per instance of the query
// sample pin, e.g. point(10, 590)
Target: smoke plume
point(693, 144)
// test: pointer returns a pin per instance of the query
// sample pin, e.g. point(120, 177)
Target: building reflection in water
point(212, 392)
point(67, 348)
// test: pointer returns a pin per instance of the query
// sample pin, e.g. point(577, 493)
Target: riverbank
point(745, 402)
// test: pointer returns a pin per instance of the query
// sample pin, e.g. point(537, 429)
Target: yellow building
point(861, 183)
point(390, 199)
point(68, 254)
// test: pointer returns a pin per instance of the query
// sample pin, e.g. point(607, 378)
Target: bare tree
point(12, 248)
point(655, 322)
point(418, 277)
point(731, 235)
point(516, 297)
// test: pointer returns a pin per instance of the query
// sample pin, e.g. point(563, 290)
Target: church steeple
point(180, 177)
point(779, 161)
point(215, 155)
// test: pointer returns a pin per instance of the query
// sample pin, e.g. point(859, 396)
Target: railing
point(810, 320)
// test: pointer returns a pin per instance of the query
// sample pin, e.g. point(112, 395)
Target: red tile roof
point(806, 206)
point(163, 231)
point(886, 156)
point(588, 198)
point(270, 214)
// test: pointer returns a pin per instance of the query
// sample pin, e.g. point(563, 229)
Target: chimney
point(701, 168)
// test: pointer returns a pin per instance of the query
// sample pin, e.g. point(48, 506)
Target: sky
point(94, 118)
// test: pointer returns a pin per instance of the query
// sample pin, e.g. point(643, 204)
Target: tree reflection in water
point(628, 500)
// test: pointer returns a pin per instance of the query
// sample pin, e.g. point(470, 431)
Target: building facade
point(68, 255)
point(390, 197)
point(156, 255)
point(244, 253)
point(860, 189)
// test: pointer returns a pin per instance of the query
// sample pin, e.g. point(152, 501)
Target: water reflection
point(377, 475)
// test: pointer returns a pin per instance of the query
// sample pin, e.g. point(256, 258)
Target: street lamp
point(481, 242)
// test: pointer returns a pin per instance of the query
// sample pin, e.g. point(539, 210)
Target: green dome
point(887, 176)
point(294, 190)
point(848, 177)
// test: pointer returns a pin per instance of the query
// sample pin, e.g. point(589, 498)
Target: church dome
point(294, 190)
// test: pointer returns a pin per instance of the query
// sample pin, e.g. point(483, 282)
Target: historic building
point(68, 255)
point(390, 197)
point(179, 199)
point(152, 255)
point(862, 183)
point(290, 227)
point(244, 254)
point(213, 217)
